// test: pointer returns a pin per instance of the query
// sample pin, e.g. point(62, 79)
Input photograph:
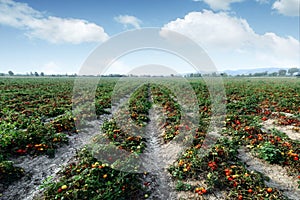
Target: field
point(139, 139)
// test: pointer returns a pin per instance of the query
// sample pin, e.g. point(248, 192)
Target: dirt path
point(37, 169)
point(40, 167)
point(156, 159)
point(288, 130)
point(278, 175)
point(159, 156)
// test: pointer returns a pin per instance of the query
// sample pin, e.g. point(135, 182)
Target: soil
point(216, 195)
point(278, 175)
point(38, 168)
point(157, 158)
point(288, 130)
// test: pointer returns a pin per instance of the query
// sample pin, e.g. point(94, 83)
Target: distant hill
point(252, 71)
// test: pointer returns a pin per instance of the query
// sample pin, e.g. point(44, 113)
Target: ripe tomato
point(269, 190)
point(235, 184)
point(227, 173)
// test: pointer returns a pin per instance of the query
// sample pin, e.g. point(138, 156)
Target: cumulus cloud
point(230, 38)
point(50, 28)
point(129, 20)
point(214, 30)
point(287, 7)
point(220, 4)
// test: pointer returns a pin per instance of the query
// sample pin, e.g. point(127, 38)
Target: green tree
point(293, 70)
point(282, 72)
point(274, 74)
point(10, 73)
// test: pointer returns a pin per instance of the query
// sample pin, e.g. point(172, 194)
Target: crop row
point(90, 178)
point(36, 118)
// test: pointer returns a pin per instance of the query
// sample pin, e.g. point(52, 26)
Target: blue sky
point(56, 36)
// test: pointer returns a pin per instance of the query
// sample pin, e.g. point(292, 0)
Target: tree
point(274, 74)
point(282, 72)
point(10, 73)
point(293, 70)
point(42, 74)
point(260, 73)
point(36, 74)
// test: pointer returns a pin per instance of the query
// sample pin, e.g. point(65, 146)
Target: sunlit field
point(51, 149)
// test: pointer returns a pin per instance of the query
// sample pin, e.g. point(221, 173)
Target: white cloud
point(220, 4)
point(230, 41)
point(128, 20)
point(75, 31)
point(214, 30)
point(50, 28)
point(287, 7)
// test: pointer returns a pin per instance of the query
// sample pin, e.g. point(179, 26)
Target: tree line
point(36, 74)
point(281, 72)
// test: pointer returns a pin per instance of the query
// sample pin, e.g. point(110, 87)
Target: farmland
point(255, 156)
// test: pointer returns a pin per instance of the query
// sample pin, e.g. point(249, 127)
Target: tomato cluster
point(36, 118)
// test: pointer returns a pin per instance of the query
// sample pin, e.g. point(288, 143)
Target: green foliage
point(92, 179)
point(36, 114)
point(270, 153)
point(181, 186)
point(9, 173)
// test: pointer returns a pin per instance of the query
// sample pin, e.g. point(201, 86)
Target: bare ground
point(162, 186)
point(39, 168)
point(289, 130)
point(278, 175)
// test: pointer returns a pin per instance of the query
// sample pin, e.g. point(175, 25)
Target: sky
point(57, 36)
